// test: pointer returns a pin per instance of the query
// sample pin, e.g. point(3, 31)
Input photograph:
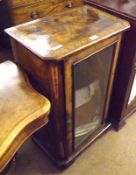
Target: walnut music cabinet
point(123, 101)
point(71, 58)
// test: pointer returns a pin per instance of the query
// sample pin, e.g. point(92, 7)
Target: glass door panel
point(90, 84)
point(132, 97)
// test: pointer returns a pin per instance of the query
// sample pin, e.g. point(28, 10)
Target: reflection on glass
point(132, 97)
point(90, 85)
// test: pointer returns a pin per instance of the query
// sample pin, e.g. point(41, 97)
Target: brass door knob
point(34, 15)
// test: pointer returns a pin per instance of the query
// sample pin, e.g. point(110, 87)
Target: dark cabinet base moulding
point(65, 163)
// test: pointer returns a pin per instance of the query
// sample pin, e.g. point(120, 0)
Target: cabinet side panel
point(47, 77)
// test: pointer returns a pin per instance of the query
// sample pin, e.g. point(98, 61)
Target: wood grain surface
point(56, 36)
point(22, 110)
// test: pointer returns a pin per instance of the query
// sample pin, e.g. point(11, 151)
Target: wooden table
point(22, 111)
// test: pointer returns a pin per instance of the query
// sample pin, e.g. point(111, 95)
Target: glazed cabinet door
point(90, 83)
point(131, 105)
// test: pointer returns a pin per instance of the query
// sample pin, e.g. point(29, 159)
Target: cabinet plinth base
point(63, 164)
point(118, 126)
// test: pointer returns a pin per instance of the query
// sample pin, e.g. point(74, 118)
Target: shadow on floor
point(33, 160)
point(5, 54)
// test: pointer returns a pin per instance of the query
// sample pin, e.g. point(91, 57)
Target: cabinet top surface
point(125, 7)
point(55, 37)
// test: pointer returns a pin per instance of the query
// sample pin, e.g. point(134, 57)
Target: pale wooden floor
point(112, 154)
